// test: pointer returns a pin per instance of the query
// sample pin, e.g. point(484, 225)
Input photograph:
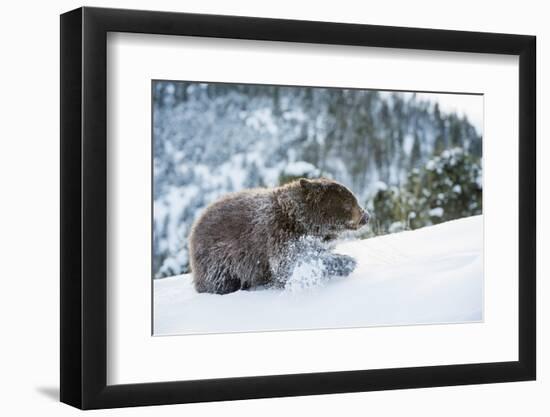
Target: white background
point(29, 218)
point(134, 356)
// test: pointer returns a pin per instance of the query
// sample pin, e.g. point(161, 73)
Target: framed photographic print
point(256, 207)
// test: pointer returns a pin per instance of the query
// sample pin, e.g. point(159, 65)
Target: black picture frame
point(84, 207)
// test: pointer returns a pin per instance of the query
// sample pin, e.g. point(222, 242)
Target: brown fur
point(246, 239)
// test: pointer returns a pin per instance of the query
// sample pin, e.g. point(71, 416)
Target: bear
point(253, 238)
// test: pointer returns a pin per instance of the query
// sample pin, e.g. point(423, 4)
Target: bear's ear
point(311, 189)
point(306, 184)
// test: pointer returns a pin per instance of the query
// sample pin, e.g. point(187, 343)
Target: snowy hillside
point(431, 275)
point(210, 139)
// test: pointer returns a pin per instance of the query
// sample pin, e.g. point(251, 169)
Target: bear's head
point(330, 208)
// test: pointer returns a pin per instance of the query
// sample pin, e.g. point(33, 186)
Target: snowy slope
point(431, 275)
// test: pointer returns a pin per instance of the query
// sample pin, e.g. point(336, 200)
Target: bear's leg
point(228, 285)
point(215, 281)
point(279, 271)
point(339, 265)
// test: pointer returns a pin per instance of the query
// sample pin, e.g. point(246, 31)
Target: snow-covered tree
point(447, 187)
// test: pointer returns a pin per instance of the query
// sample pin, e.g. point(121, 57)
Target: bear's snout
point(364, 218)
point(360, 218)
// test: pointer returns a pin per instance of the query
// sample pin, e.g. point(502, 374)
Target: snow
point(427, 276)
point(430, 165)
point(307, 274)
point(300, 168)
point(408, 143)
point(396, 227)
point(380, 186)
point(262, 119)
point(436, 212)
